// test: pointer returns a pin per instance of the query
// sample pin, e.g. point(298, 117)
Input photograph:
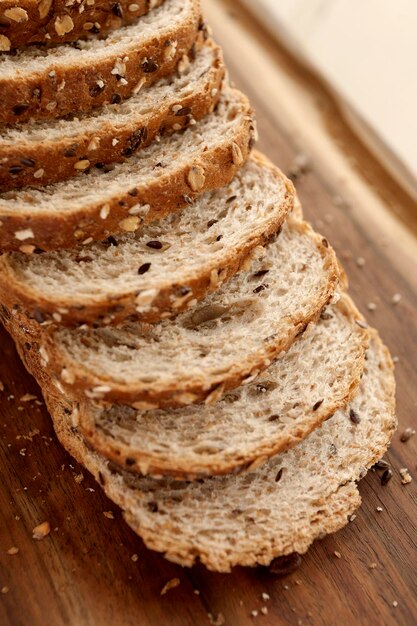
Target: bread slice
point(316, 377)
point(43, 83)
point(43, 21)
point(111, 133)
point(190, 254)
point(156, 181)
point(229, 338)
point(271, 511)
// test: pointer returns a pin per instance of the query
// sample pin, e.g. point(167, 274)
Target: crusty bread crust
point(142, 461)
point(192, 389)
point(54, 230)
point(112, 143)
point(30, 21)
point(57, 91)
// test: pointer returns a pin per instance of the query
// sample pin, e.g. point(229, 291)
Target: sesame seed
point(396, 298)
point(360, 261)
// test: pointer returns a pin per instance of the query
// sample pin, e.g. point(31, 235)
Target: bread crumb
point(396, 298)
point(254, 613)
point(371, 306)
point(134, 557)
point(28, 397)
point(79, 478)
point(395, 603)
point(266, 596)
point(405, 476)
point(373, 565)
point(360, 261)
point(217, 621)
point(13, 550)
point(264, 610)
point(171, 584)
point(108, 514)
point(379, 509)
point(407, 434)
point(41, 531)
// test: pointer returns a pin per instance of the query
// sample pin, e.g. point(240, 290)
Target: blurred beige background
point(366, 51)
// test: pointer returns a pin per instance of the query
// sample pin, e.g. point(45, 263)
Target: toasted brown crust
point(75, 88)
point(54, 231)
point(193, 389)
point(26, 21)
point(119, 452)
point(58, 159)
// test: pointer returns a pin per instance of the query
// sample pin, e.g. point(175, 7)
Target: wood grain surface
point(92, 570)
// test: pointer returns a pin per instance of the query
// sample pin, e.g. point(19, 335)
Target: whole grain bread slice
point(316, 377)
point(157, 272)
point(50, 22)
point(156, 181)
point(47, 83)
point(61, 149)
point(233, 335)
point(250, 519)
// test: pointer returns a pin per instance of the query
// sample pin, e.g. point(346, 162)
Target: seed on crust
point(196, 178)
point(26, 233)
point(237, 154)
point(130, 224)
point(16, 14)
point(63, 25)
point(170, 50)
point(44, 8)
point(82, 165)
point(5, 44)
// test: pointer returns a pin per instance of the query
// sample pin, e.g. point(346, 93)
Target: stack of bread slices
point(192, 335)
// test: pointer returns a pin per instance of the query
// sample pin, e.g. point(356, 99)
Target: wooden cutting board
point(91, 569)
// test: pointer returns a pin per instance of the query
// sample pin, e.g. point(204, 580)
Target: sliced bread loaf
point(315, 378)
point(250, 519)
point(42, 21)
point(155, 273)
point(231, 337)
point(43, 83)
point(156, 181)
point(60, 149)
